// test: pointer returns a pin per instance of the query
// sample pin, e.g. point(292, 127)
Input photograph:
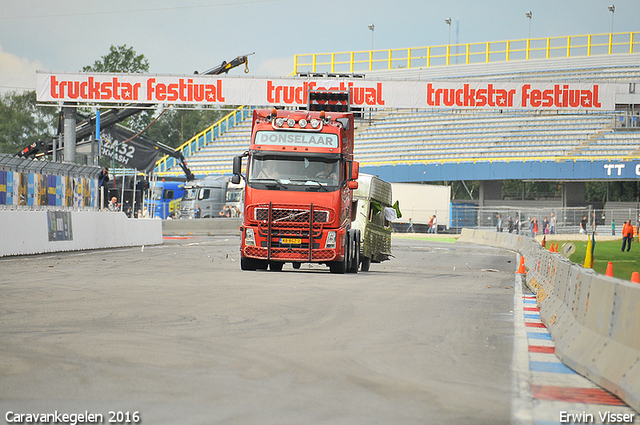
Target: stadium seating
point(445, 135)
point(437, 135)
point(428, 135)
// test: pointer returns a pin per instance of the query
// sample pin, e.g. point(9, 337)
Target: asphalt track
point(180, 335)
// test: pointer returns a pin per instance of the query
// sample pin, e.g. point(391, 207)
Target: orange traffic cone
point(521, 269)
point(635, 277)
point(552, 248)
point(609, 269)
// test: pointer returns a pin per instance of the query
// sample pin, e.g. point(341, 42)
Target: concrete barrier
point(202, 226)
point(593, 319)
point(37, 232)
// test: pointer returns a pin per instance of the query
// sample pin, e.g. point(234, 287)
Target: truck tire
point(275, 266)
point(340, 267)
point(354, 251)
point(366, 263)
point(248, 264)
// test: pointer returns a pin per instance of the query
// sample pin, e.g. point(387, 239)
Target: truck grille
point(286, 215)
point(284, 254)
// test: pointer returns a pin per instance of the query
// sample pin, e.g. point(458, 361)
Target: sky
point(183, 36)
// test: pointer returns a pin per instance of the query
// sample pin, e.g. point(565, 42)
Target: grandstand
point(433, 136)
point(437, 145)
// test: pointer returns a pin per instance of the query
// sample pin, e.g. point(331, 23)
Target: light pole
point(529, 15)
point(371, 27)
point(448, 22)
point(612, 9)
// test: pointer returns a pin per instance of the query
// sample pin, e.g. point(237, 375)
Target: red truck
point(300, 176)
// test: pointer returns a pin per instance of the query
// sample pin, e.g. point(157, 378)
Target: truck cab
point(165, 197)
point(300, 176)
point(208, 195)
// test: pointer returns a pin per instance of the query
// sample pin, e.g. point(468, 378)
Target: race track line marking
point(554, 389)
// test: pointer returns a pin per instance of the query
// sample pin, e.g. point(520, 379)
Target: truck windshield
point(190, 194)
point(234, 195)
point(294, 171)
point(156, 193)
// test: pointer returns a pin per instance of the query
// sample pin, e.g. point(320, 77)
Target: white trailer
point(370, 199)
point(419, 202)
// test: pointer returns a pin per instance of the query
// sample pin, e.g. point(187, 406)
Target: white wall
point(27, 232)
point(420, 201)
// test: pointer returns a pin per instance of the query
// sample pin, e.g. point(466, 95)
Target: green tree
point(22, 122)
point(120, 59)
point(176, 126)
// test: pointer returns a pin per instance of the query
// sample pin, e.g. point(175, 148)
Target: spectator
point(613, 227)
point(197, 212)
point(534, 226)
point(434, 225)
point(103, 190)
point(627, 235)
point(545, 226)
point(583, 225)
point(410, 228)
point(113, 204)
point(510, 224)
point(225, 212)
point(498, 223)
point(552, 224)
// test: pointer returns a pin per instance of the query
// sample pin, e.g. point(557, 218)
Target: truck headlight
point(249, 237)
point(331, 240)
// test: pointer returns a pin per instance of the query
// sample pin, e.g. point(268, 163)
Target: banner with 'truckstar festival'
point(98, 88)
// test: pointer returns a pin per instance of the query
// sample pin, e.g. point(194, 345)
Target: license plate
point(291, 241)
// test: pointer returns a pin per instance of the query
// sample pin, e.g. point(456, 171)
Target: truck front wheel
point(252, 264)
point(248, 264)
point(275, 266)
point(340, 267)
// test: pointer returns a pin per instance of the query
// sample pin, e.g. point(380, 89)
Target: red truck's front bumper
point(292, 234)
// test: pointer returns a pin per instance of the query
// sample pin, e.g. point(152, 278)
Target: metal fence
point(28, 184)
point(567, 220)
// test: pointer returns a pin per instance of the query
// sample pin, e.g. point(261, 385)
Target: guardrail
point(593, 319)
point(469, 53)
point(203, 138)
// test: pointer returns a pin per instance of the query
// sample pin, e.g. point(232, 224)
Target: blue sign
point(502, 170)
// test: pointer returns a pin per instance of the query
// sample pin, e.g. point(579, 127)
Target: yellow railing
point(203, 138)
point(489, 52)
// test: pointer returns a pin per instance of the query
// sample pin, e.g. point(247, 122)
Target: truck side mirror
point(353, 184)
point(235, 179)
point(355, 170)
point(237, 166)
